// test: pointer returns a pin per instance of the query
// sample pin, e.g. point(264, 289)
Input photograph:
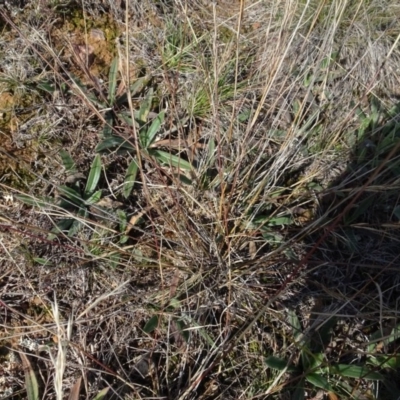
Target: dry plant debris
point(199, 199)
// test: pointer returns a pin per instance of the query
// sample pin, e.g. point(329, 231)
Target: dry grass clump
point(199, 199)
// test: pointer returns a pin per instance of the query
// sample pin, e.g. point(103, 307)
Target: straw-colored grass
point(199, 200)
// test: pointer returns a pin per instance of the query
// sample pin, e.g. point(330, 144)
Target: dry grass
point(278, 245)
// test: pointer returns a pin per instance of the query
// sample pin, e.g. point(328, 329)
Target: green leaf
point(68, 162)
point(94, 175)
point(244, 115)
point(145, 106)
point(151, 324)
point(319, 381)
point(102, 394)
point(320, 338)
point(183, 329)
point(121, 214)
point(112, 143)
point(184, 179)
point(130, 178)
point(75, 228)
point(354, 371)
point(150, 134)
point(136, 88)
point(77, 223)
point(280, 221)
point(37, 202)
point(316, 360)
point(46, 86)
point(211, 153)
point(71, 194)
point(392, 362)
point(299, 392)
point(115, 259)
point(294, 323)
point(279, 363)
point(108, 126)
point(61, 226)
point(307, 359)
point(31, 383)
point(394, 335)
point(112, 81)
point(94, 198)
point(169, 159)
point(271, 237)
point(276, 363)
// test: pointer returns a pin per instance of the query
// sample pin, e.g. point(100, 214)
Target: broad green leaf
point(354, 371)
point(145, 106)
point(115, 259)
point(151, 324)
point(77, 223)
point(123, 239)
point(130, 178)
point(320, 338)
point(394, 335)
point(112, 81)
point(319, 382)
point(61, 226)
point(94, 198)
point(211, 153)
point(244, 115)
point(112, 143)
point(123, 223)
point(135, 88)
point(274, 238)
point(299, 392)
point(31, 383)
point(184, 179)
point(307, 359)
point(108, 126)
point(151, 133)
point(294, 323)
point(94, 175)
point(169, 159)
point(68, 162)
point(102, 394)
point(279, 364)
point(316, 360)
point(46, 86)
point(71, 194)
point(121, 214)
point(127, 117)
point(280, 221)
point(32, 201)
point(392, 362)
point(173, 304)
point(182, 329)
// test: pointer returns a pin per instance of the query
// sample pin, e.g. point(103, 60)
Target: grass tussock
point(199, 200)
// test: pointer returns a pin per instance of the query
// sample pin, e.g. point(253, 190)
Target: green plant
point(315, 368)
point(73, 199)
point(143, 120)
